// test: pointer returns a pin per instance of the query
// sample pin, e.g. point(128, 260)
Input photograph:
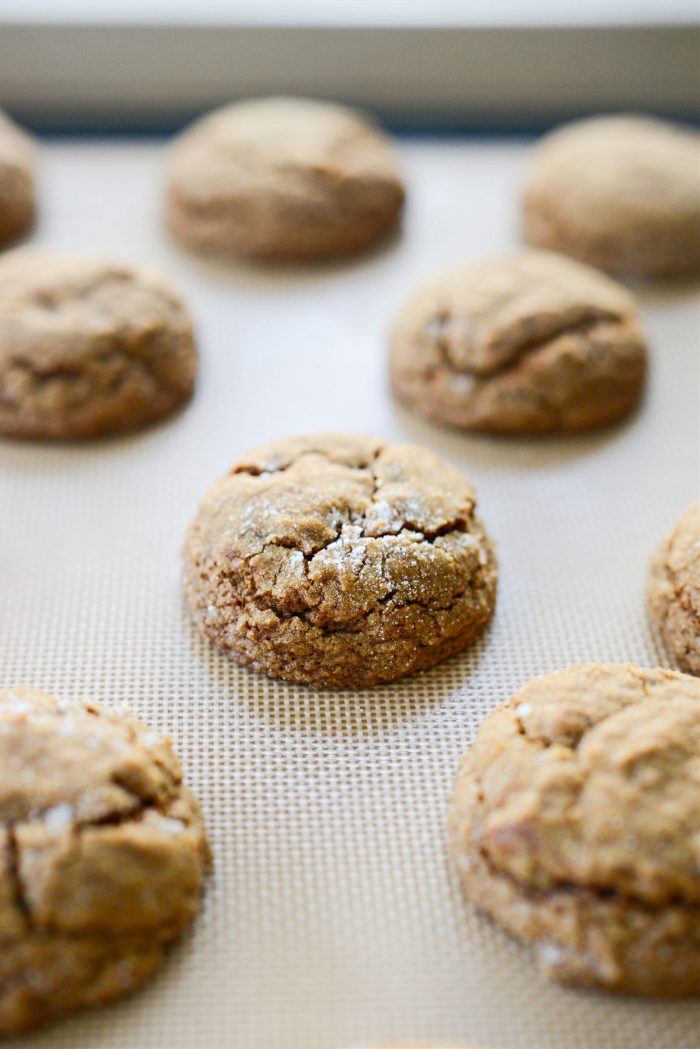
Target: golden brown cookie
point(88, 347)
point(340, 561)
point(282, 179)
point(17, 203)
point(619, 192)
point(575, 824)
point(102, 855)
point(528, 344)
point(673, 592)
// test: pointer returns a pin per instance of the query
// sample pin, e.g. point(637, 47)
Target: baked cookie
point(340, 561)
point(528, 344)
point(576, 825)
point(619, 192)
point(16, 181)
point(102, 855)
point(673, 592)
point(282, 179)
point(88, 347)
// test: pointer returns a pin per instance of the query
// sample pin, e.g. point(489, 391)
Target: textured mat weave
point(332, 919)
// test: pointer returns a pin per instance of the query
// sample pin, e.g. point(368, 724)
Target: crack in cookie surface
point(529, 343)
point(88, 348)
point(339, 535)
point(575, 823)
point(508, 352)
point(282, 179)
point(102, 854)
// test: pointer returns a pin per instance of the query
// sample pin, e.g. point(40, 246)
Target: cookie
point(282, 179)
point(673, 592)
point(340, 561)
point(88, 347)
point(532, 343)
point(17, 203)
point(576, 825)
point(102, 855)
point(619, 192)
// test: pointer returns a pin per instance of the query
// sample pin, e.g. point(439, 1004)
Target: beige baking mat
point(332, 919)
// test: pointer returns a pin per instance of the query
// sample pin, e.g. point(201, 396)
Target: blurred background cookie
point(575, 824)
point(17, 204)
point(102, 855)
point(619, 192)
point(282, 179)
point(88, 347)
point(673, 592)
point(530, 343)
point(340, 561)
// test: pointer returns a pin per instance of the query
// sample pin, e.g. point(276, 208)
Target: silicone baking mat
point(332, 919)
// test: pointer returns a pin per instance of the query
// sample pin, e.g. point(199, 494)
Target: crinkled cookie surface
point(576, 825)
point(102, 855)
point(340, 561)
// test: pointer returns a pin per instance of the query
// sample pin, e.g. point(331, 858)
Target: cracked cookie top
point(529, 343)
point(87, 346)
point(328, 538)
point(480, 319)
point(331, 526)
point(97, 832)
point(590, 777)
point(282, 178)
point(621, 192)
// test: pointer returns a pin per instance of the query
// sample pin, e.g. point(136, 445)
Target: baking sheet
point(157, 63)
point(332, 919)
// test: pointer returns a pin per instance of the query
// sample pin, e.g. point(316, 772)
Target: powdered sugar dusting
point(58, 818)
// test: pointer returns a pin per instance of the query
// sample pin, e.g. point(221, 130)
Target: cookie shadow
point(251, 275)
point(501, 452)
point(23, 454)
point(666, 292)
point(514, 962)
point(286, 708)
